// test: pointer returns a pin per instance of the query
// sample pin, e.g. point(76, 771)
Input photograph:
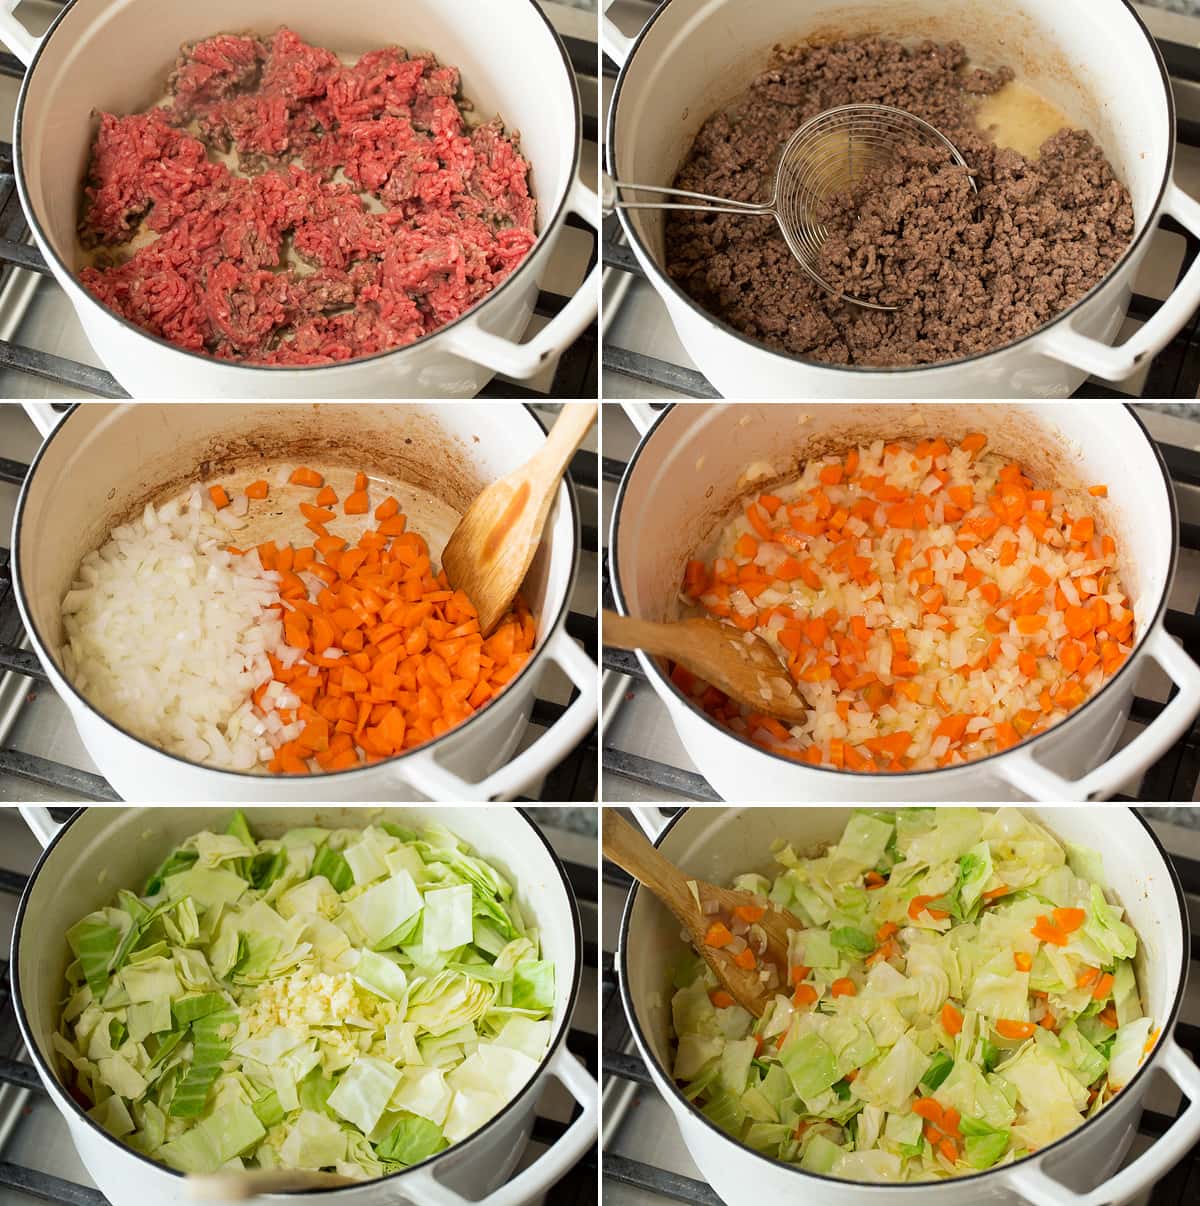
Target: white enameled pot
point(103, 462)
point(719, 843)
point(128, 843)
point(687, 474)
point(1094, 59)
point(113, 55)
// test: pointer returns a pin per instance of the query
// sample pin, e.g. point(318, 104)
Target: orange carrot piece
point(302, 476)
point(219, 496)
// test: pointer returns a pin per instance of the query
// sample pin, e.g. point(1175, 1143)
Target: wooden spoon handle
point(573, 423)
point(628, 632)
point(630, 849)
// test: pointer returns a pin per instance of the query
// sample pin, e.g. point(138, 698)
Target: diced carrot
point(720, 998)
point(219, 496)
point(930, 1109)
point(357, 503)
point(718, 935)
point(805, 994)
point(258, 489)
point(302, 476)
point(1046, 931)
point(918, 904)
point(746, 959)
point(952, 1020)
point(843, 987)
point(973, 443)
point(1108, 1016)
point(1103, 987)
point(1069, 920)
point(1010, 1029)
point(326, 496)
point(886, 930)
point(749, 913)
point(1022, 960)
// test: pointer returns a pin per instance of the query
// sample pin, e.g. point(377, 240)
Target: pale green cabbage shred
point(779, 1084)
point(353, 1000)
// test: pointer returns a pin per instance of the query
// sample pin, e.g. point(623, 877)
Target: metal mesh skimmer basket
point(831, 153)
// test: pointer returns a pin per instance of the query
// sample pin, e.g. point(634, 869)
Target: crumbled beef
point(968, 272)
point(359, 211)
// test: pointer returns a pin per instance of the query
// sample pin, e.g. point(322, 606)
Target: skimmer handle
point(715, 205)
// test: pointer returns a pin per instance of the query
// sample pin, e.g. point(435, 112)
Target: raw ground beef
point(969, 272)
point(269, 151)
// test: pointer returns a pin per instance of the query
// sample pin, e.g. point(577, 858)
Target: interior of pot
point(115, 55)
point(127, 844)
point(719, 843)
point(691, 472)
point(1090, 58)
point(105, 462)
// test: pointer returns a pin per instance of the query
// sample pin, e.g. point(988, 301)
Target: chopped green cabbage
point(1039, 1035)
point(350, 1000)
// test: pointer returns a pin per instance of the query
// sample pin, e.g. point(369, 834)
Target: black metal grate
point(1174, 372)
point(575, 376)
point(1175, 776)
point(572, 779)
point(1180, 1187)
point(576, 1188)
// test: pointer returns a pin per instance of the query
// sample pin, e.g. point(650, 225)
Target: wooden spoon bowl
point(626, 847)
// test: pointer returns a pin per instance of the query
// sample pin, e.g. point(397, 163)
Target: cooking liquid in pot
point(1018, 117)
point(933, 604)
point(439, 648)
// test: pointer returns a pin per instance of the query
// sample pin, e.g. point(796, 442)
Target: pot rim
point(64, 270)
point(662, 280)
point(42, 648)
point(662, 682)
point(1166, 1030)
point(48, 1072)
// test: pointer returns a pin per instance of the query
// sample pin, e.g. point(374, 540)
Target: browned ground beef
point(969, 272)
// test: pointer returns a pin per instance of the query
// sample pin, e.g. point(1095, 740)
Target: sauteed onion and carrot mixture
point(279, 657)
point(933, 603)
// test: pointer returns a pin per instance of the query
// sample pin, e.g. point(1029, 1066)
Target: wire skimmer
point(831, 153)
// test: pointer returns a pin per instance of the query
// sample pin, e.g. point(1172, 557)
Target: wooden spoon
point(739, 663)
point(626, 847)
point(489, 553)
point(243, 1186)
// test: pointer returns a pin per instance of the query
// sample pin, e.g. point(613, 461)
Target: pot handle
point(641, 414)
point(649, 818)
point(1029, 1180)
point(1116, 363)
point(613, 42)
point(14, 35)
point(44, 416)
point(470, 341)
point(546, 1170)
point(41, 824)
point(1038, 782)
point(432, 779)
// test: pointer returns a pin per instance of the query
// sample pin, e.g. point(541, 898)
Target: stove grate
point(575, 778)
point(1176, 776)
point(1174, 372)
point(576, 1188)
point(575, 375)
point(622, 1063)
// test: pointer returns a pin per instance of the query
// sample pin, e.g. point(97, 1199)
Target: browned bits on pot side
point(969, 272)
